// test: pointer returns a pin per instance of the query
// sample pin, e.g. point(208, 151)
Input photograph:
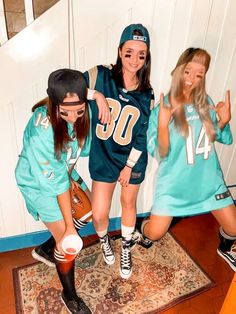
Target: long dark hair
point(59, 125)
point(143, 74)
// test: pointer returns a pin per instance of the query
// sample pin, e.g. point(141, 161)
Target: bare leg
point(226, 217)
point(155, 227)
point(128, 202)
point(101, 202)
point(57, 229)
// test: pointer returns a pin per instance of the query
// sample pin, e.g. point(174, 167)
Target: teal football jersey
point(189, 179)
point(112, 144)
point(39, 175)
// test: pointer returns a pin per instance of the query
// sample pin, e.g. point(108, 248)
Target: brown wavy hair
point(198, 94)
point(59, 125)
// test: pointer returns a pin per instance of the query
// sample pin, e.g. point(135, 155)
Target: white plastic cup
point(71, 246)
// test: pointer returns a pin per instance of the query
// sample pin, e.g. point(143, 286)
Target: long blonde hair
point(198, 94)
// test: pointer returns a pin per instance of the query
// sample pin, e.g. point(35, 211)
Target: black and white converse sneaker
point(45, 252)
point(107, 252)
point(40, 255)
point(229, 256)
point(75, 305)
point(139, 238)
point(125, 259)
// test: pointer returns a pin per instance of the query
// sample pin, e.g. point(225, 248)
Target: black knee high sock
point(79, 224)
point(48, 246)
point(226, 241)
point(66, 273)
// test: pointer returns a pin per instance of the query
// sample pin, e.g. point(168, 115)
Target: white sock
point(102, 233)
point(126, 232)
point(226, 235)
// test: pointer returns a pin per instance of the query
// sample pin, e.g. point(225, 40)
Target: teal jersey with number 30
point(189, 179)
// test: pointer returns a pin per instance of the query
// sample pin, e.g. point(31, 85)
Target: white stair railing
point(3, 28)
point(28, 10)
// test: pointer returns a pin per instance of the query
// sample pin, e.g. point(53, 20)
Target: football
point(80, 203)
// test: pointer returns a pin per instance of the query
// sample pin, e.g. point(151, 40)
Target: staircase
point(62, 37)
point(17, 14)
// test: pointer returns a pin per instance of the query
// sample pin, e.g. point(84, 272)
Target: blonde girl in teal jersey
point(190, 181)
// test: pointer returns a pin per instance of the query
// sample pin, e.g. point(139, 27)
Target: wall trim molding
point(35, 238)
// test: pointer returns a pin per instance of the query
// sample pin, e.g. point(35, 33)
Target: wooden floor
point(199, 235)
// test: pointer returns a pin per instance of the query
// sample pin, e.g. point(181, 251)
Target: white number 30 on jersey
point(122, 119)
point(203, 145)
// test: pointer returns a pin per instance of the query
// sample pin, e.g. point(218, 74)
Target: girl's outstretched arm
point(163, 137)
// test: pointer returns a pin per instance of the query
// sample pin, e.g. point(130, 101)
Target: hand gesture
point(124, 177)
point(223, 110)
point(165, 113)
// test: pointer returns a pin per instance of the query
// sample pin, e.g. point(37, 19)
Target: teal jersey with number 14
point(189, 179)
point(40, 176)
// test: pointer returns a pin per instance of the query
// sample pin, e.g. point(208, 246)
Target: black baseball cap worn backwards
point(128, 34)
point(63, 81)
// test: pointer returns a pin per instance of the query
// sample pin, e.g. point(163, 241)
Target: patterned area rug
point(163, 276)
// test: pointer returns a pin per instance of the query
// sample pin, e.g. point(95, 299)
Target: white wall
point(46, 44)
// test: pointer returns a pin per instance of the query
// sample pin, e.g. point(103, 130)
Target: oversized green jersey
point(189, 180)
point(112, 144)
point(40, 176)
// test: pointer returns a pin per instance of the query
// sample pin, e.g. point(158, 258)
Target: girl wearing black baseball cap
point(56, 134)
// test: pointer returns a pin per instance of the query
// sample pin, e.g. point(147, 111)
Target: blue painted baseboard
point(36, 238)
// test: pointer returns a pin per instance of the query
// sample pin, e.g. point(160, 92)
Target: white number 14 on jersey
point(203, 145)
